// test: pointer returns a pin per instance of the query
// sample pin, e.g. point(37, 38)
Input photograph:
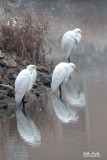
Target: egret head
point(77, 30)
point(72, 65)
point(33, 67)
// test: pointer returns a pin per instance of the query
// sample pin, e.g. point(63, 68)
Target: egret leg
point(60, 90)
point(23, 102)
point(69, 59)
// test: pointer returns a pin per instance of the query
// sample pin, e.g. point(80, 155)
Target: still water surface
point(59, 130)
point(63, 130)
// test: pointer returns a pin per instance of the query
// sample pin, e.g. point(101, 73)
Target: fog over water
point(89, 16)
point(66, 129)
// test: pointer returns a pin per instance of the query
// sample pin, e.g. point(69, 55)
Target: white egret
point(24, 82)
point(61, 74)
point(69, 42)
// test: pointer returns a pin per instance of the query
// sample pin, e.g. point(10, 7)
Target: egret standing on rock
point(69, 42)
point(24, 82)
point(61, 74)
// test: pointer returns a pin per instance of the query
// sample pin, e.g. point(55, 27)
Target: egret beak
point(76, 69)
point(39, 67)
point(84, 33)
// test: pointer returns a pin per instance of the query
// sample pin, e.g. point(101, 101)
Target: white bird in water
point(69, 42)
point(28, 129)
point(24, 82)
point(61, 74)
point(74, 95)
point(63, 110)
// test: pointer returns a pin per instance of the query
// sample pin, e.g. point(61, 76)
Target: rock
point(4, 86)
point(40, 90)
point(8, 106)
point(4, 106)
point(2, 94)
point(35, 86)
point(50, 77)
point(39, 93)
point(13, 63)
point(25, 62)
point(2, 55)
point(46, 81)
point(44, 70)
point(9, 91)
point(8, 73)
point(43, 78)
point(7, 62)
point(1, 81)
point(3, 77)
point(4, 63)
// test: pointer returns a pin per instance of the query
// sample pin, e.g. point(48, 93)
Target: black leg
point(69, 59)
point(23, 102)
point(60, 90)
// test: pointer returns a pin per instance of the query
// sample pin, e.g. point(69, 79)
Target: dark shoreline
point(10, 67)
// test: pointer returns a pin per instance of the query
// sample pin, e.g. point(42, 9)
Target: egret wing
point(22, 85)
point(58, 77)
point(68, 43)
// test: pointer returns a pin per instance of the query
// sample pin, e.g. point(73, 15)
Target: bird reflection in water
point(63, 110)
point(73, 94)
point(27, 129)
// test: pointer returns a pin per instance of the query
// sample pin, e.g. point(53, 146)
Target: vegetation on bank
point(23, 41)
point(25, 34)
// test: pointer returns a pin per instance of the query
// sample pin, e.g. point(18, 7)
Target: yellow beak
point(76, 69)
point(40, 67)
point(84, 33)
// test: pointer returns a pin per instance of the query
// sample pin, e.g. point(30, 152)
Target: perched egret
point(69, 42)
point(24, 82)
point(61, 74)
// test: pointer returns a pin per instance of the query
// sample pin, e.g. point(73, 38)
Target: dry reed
point(26, 35)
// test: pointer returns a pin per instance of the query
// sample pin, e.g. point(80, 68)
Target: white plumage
point(24, 82)
point(74, 95)
point(28, 129)
point(69, 42)
point(63, 111)
point(61, 74)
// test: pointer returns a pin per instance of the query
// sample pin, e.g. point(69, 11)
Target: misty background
point(88, 15)
point(68, 141)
